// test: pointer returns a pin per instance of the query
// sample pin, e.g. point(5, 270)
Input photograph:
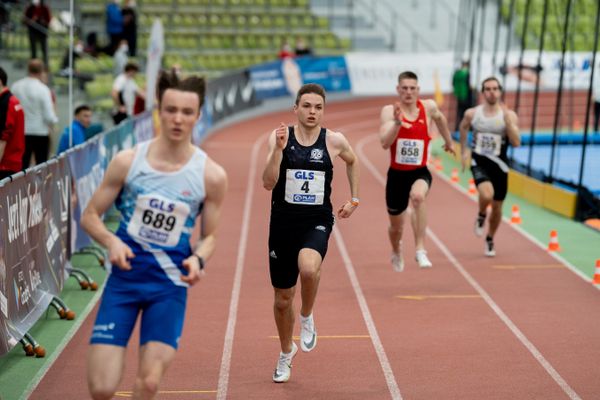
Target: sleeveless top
point(304, 185)
point(489, 136)
point(410, 150)
point(158, 212)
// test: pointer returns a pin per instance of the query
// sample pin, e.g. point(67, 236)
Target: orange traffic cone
point(454, 176)
point(596, 280)
point(438, 164)
point(553, 245)
point(516, 216)
point(472, 188)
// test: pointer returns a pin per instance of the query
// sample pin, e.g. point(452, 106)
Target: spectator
point(82, 120)
point(37, 18)
point(65, 70)
point(12, 130)
point(91, 45)
point(40, 118)
point(130, 26)
point(114, 25)
point(462, 91)
point(124, 92)
point(302, 48)
point(286, 50)
point(121, 57)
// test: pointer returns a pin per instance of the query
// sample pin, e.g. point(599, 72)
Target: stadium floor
point(19, 375)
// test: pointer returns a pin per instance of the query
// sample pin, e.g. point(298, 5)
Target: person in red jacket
point(37, 19)
point(12, 130)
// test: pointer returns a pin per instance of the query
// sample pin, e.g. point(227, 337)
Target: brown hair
point(170, 80)
point(35, 66)
point(310, 88)
point(489, 79)
point(407, 75)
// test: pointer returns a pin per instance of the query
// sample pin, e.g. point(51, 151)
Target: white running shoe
point(422, 260)
point(283, 371)
point(397, 262)
point(308, 333)
point(489, 248)
point(479, 222)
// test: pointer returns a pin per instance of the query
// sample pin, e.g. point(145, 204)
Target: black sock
point(488, 238)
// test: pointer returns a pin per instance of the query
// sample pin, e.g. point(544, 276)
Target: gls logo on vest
point(316, 155)
point(304, 175)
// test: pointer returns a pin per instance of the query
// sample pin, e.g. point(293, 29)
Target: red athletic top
point(410, 150)
point(12, 131)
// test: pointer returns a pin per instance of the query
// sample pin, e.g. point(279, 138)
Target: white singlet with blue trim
point(158, 212)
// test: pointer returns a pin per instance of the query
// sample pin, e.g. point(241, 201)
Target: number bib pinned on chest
point(303, 186)
point(410, 151)
point(488, 144)
point(158, 220)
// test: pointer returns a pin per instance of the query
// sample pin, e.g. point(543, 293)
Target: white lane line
point(487, 298)
point(533, 240)
point(364, 308)
point(237, 281)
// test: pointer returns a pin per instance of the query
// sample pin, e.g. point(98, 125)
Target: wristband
point(200, 261)
point(355, 201)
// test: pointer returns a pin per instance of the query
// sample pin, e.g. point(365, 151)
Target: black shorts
point(398, 186)
point(486, 170)
point(287, 238)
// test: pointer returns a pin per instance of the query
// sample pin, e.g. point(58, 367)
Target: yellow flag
point(438, 95)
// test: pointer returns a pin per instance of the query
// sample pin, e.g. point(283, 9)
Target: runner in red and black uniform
point(405, 131)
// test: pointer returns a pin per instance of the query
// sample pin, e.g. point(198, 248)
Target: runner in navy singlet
point(299, 171)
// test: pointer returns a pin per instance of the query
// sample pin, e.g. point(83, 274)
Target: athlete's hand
point(464, 159)
point(119, 254)
point(281, 136)
point(449, 148)
point(192, 265)
point(346, 210)
point(397, 113)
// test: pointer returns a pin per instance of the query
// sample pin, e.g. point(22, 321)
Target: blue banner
point(87, 169)
point(285, 77)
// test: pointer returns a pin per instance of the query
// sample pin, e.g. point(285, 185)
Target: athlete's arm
point(277, 142)
point(215, 179)
point(442, 124)
point(512, 127)
point(112, 183)
point(463, 128)
point(340, 144)
point(391, 119)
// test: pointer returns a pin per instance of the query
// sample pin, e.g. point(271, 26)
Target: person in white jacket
point(40, 117)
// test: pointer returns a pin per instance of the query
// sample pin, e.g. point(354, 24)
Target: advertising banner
point(376, 74)
point(285, 77)
point(87, 169)
point(34, 247)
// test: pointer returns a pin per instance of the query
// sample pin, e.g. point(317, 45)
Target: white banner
point(156, 48)
point(376, 74)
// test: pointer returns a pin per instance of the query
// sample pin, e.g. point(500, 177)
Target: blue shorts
point(162, 308)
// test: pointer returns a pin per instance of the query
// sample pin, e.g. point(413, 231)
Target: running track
point(519, 326)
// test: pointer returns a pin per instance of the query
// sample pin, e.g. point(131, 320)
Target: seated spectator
point(124, 92)
point(82, 119)
point(65, 71)
point(285, 51)
point(301, 48)
point(121, 57)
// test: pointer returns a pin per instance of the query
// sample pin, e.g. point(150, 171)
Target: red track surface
point(514, 327)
